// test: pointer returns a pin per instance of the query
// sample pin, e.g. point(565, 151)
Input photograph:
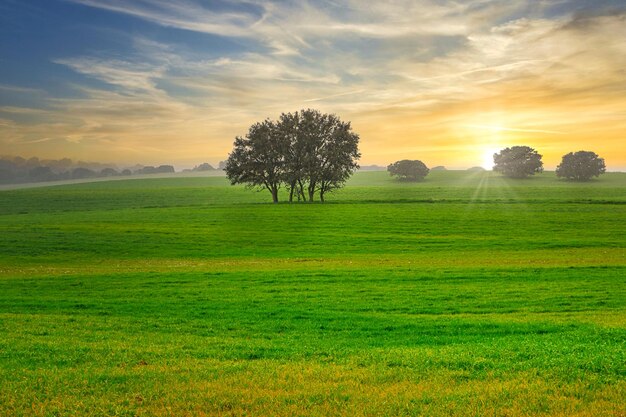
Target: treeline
point(15, 170)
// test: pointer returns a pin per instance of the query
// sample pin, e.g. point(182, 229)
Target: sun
point(487, 157)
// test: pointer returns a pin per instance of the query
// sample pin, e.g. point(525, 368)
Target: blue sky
point(155, 81)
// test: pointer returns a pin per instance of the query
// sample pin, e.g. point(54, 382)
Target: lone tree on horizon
point(308, 152)
point(408, 170)
point(517, 162)
point(580, 166)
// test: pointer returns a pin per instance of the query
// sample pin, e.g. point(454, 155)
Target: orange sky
point(447, 84)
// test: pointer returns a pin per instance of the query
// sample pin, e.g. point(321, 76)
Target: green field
point(463, 295)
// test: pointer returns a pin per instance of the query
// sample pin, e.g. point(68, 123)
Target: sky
point(445, 82)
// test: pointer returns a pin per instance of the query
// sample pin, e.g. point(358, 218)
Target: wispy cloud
point(22, 110)
point(29, 142)
point(181, 14)
point(128, 75)
point(20, 89)
point(348, 93)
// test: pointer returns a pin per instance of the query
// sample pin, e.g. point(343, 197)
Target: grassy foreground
point(464, 295)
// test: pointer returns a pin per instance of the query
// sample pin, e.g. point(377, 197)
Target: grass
point(464, 295)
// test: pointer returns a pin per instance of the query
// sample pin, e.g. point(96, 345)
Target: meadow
point(466, 294)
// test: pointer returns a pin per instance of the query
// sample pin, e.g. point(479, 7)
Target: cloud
point(131, 76)
point(287, 27)
point(412, 76)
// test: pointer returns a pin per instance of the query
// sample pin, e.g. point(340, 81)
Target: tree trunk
point(274, 194)
point(293, 185)
point(322, 196)
point(301, 191)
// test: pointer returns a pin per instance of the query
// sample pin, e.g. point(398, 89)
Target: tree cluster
point(306, 152)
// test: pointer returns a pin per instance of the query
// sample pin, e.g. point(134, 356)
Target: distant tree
point(146, 170)
point(41, 174)
point(126, 172)
point(62, 164)
point(108, 172)
point(33, 162)
point(164, 169)
point(6, 175)
point(7, 163)
point(517, 162)
point(80, 173)
point(221, 165)
point(19, 161)
point(258, 159)
point(439, 168)
point(203, 167)
point(371, 168)
point(408, 170)
point(580, 166)
point(161, 169)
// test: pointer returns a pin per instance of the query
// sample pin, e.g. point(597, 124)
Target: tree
point(580, 166)
point(322, 154)
point(338, 157)
point(290, 128)
point(307, 151)
point(517, 162)
point(258, 159)
point(408, 170)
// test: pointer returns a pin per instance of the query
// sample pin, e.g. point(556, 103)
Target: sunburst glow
point(487, 157)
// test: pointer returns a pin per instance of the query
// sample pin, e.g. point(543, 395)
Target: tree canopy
point(307, 152)
point(580, 166)
point(518, 162)
point(408, 170)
